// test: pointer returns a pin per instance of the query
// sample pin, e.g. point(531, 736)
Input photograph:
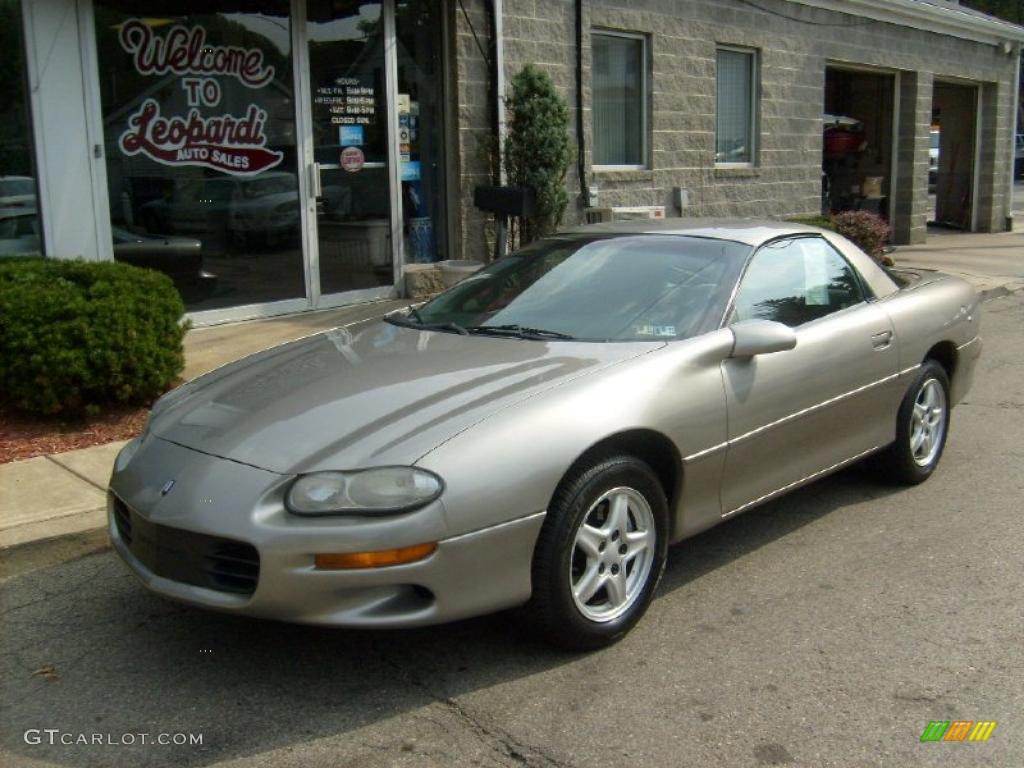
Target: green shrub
point(77, 335)
point(537, 150)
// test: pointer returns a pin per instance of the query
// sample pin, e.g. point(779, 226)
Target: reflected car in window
point(540, 433)
point(180, 258)
point(19, 230)
point(225, 207)
point(17, 192)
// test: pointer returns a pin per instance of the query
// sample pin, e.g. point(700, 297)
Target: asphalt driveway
point(824, 629)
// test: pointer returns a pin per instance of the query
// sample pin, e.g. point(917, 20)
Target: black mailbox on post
point(503, 202)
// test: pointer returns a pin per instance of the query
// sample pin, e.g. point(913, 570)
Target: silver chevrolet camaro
point(539, 434)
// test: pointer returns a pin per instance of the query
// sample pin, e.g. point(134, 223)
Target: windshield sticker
point(656, 330)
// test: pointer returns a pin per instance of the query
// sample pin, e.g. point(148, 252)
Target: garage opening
point(952, 155)
point(859, 126)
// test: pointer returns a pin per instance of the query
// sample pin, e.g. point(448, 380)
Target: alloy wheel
point(613, 552)
point(928, 423)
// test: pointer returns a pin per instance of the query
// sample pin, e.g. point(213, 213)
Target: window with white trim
point(619, 99)
point(735, 106)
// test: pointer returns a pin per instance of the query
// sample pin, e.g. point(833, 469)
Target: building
point(303, 151)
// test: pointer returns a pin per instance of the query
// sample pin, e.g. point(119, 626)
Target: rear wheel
point(600, 554)
point(921, 428)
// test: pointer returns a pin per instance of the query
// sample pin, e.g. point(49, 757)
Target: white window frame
point(755, 93)
point(645, 123)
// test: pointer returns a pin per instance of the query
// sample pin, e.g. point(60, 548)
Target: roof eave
point(924, 16)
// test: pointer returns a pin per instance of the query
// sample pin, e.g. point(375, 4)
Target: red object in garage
point(840, 141)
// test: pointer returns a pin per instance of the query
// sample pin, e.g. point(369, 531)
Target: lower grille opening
point(198, 559)
point(123, 522)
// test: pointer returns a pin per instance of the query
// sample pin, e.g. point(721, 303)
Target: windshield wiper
point(415, 320)
point(521, 331)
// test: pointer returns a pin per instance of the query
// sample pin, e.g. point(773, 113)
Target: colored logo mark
point(958, 730)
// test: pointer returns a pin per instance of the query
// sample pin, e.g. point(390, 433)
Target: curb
point(29, 556)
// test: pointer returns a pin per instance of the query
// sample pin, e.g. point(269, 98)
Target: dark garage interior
point(858, 141)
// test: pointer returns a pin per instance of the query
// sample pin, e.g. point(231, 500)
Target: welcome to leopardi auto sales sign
point(234, 144)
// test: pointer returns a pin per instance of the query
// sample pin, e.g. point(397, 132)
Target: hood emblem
point(167, 488)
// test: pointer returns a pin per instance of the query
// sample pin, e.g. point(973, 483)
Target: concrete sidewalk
point(63, 494)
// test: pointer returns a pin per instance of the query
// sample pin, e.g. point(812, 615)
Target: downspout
point(1014, 127)
point(498, 75)
point(581, 153)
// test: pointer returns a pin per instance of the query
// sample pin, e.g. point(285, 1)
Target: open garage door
point(953, 154)
point(859, 126)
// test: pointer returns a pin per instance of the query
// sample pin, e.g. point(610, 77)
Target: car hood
point(383, 394)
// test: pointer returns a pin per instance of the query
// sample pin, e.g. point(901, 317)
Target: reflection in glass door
point(420, 113)
point(350, 143)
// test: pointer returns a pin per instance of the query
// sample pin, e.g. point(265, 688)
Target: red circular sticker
point(352, 159)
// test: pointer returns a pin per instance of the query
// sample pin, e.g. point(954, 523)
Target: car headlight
point(380, 491)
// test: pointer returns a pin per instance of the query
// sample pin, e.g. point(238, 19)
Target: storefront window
point(199, 123)
point(19, 210)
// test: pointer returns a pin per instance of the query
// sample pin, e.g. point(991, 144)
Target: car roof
point(753, 232)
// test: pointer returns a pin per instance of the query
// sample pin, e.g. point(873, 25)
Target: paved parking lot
point(824, 629)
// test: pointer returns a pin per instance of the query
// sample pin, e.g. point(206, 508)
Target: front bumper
point(469, 574)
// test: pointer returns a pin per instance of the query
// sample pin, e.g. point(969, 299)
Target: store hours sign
point(232, 143)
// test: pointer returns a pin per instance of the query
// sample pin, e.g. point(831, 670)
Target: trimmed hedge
point(77, 335)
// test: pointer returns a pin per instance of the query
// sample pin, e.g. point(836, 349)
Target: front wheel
point(600, 554)
point(921, 428)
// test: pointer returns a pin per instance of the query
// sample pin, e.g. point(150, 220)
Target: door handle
point(315, 188)
point(881, 340)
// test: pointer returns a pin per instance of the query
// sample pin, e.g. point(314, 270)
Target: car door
point(795, 414)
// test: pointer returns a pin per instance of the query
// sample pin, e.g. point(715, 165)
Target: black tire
point(898, 462)
point(553, 610)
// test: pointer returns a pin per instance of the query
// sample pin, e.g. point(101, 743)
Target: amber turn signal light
point(379, 559)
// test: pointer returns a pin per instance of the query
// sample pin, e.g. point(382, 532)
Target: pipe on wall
point(1014, 128)
point(581, 150)
point(498, 70)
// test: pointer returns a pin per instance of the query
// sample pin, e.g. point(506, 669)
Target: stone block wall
point(794, 43)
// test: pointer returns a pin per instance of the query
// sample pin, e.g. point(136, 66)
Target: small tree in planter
point(537, 152)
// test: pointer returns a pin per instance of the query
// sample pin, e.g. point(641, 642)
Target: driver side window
point(795, 281)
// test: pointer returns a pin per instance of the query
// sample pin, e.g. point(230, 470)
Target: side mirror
point(760, 337)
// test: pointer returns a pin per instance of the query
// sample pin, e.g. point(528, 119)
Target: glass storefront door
point(348, 86)
point(214, 158)
point(362, 202)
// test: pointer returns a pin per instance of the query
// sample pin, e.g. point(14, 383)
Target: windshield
point(635, 287)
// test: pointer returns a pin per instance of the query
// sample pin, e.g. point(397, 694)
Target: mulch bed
point(23, 436)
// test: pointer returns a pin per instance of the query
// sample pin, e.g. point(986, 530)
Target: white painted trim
point(35, 104)
point(93, 106)
point(394, 155)
point(304, 151)
point(926, 17)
